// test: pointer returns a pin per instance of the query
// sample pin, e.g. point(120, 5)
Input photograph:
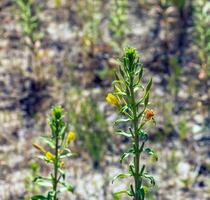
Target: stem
point(55, 180)
point(136, 142)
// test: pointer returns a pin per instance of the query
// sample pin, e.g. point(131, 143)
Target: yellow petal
point(113, 100)
point(71, 137)
point(49, 156)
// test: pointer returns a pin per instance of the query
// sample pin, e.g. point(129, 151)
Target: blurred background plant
point(28, 18)
point(30, 186)
point(202, 36)
point(88, 14)
point(118, 23)
point(90, 124)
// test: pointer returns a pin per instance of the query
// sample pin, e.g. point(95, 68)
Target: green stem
point(55, 169)
point(136, 142)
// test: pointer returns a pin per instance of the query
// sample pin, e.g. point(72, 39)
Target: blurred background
point(65, 52)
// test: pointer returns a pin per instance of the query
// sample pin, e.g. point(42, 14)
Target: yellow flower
point(49, 156)
point(113, 100)
point(71, 137)
point(39, 148)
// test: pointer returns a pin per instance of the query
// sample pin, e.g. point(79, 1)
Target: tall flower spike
point(135, 113)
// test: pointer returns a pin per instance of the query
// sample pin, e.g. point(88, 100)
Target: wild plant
point(29, 186)
point(88, 13)
point(29, 21)
point(58, 149)
point(28, 17)
point(136, 113)
point(117, 22)
point(90, 124)
point(202, 35)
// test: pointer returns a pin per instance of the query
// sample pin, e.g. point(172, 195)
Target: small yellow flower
point(71, 137)
point(113, 100)
point(49, 156)
point(39, 148)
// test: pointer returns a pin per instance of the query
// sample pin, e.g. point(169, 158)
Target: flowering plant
point(136, 113)
point(58, 144)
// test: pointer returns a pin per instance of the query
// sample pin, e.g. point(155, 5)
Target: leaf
point(46, 182)
point(151, 178)
point(146, 100)
point(39, 197)
point(149, 85)
point(48, 141)
point(143, 135)
point(120, 132)
point(120, 176)
point(151, 152)
point(125, 155)
point(141, 73)
point(67, 155)
point(67, 186)
point(117, 195)
point(62, 131)
point(122, 120)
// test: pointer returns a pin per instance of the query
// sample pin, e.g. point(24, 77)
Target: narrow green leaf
point(39, 197)
point(124, 133)
point(117, 195)
point(141, 73)
point(120, 176)
point(146, 100)
point(151, 152)
point(149, 85)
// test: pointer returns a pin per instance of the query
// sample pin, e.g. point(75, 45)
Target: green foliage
point(180, 4)
point(91, 127)
point(88, 14)
point(117, 21)
point(136, 114)
point(58, 144)
point(173, 80)
point(183, 129)
point(31, 188)
point(202, 33)
point(28, 19)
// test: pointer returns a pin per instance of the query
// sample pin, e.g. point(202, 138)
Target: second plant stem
point(55, 169)
point(136, 142)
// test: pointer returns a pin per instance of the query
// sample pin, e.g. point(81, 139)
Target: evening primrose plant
point(58, 149)
point(136, 114)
